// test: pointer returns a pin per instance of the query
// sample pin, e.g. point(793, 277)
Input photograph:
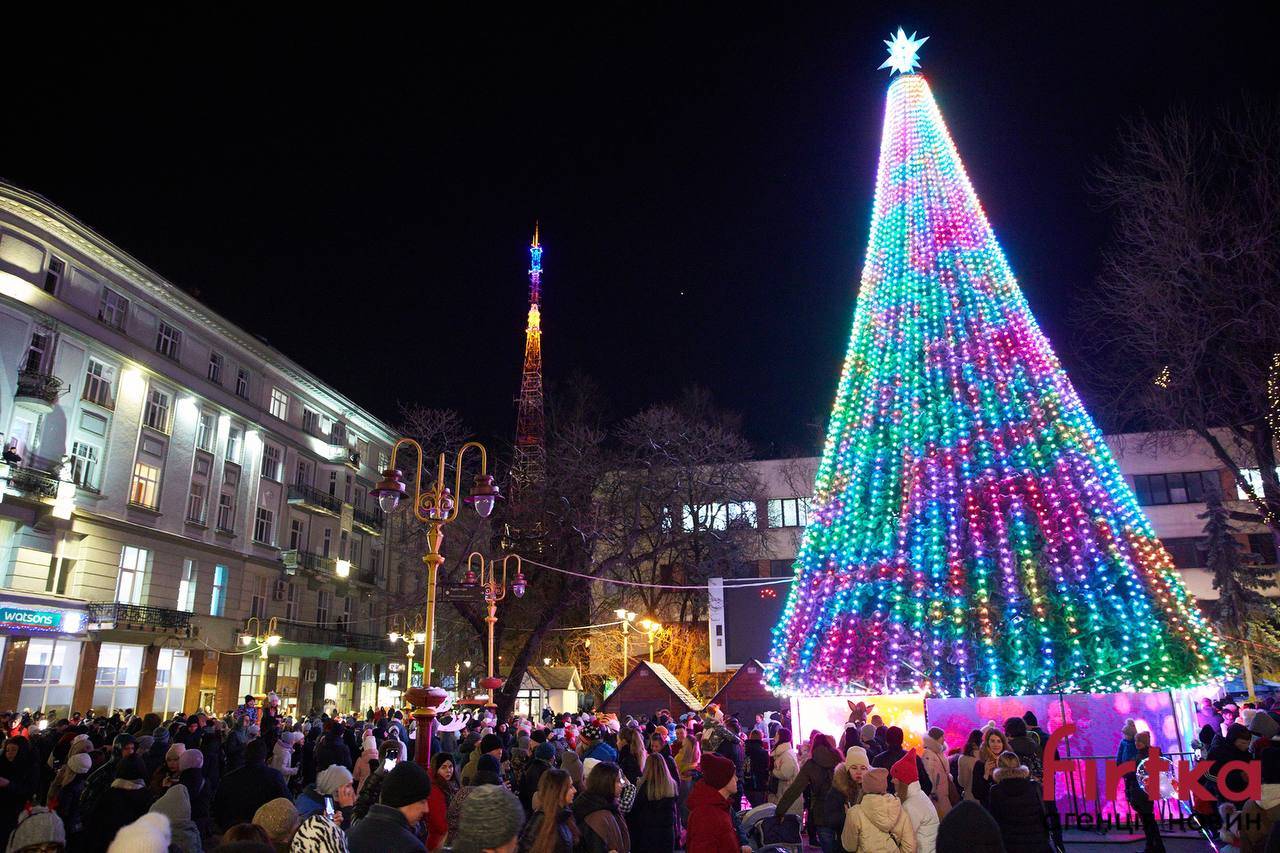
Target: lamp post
point(435, 507)
point(651, 628)
point(411, 640)
point(495, 590)
point(265, 641)
point(626, 617)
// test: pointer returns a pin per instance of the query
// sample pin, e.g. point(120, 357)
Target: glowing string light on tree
point(972, 533)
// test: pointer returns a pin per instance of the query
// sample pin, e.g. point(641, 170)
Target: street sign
point(461, 592)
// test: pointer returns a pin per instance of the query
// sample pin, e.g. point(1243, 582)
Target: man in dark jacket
point(544, 755)
point(100, 780)
point(893, 751)
point(242, 791)
point(388, 827)
point(331, 750)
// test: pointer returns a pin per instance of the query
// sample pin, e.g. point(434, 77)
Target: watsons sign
point(17, 617)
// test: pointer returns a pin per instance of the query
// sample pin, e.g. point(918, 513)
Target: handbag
point(627, 798)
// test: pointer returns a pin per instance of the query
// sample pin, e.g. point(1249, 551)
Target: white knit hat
point(81, 762)
point(150, 833)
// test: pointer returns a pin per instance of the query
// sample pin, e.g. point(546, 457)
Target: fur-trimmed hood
point(1019, 772)
point(843, 782)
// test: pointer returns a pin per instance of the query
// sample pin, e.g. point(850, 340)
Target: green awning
point(313, 650)
point(358, 656)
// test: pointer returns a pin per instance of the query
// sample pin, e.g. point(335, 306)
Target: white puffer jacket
point(785, 770)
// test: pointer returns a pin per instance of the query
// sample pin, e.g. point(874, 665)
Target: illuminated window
point(168, 341)
point(145, 488)
point(235, 442)
point(218, 595)
point(187, 587)
point(279, 404)
point(132, 575)
point(788, 512)
point(171, 681)
point(206, 431)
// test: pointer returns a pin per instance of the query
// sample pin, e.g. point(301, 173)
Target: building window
point(168, 341)
point(145, 488)
point(719, 516)
point(49, 676)
point(258, 597)
point(187, 587)
point(1187, 552)
point(1253, 477)
point(1264, 546)
point(113, 309)
point(98, 379)
point(53, 274)
point(242, 383)
point(264, 526)
point(384, 461)
point(218, 595)
point(326, 544)
point(304, 473)
point(788, 512)
point(311, 422)
point(119, 672)
point(226, 512)
point(323, 602)
point(279, 404)
point(271, 462)
point(296, 537)
point(215, 367)
point(171, 681)
point(156, 413)
point(375, 563)
point(250, 674)
point(345, 624)
point(196, 503)
point(133, 574)
point(206, 431)
point(235, 443)
point(84, 465)
point(1180, 488)
point(39, 352)
point(290, 602)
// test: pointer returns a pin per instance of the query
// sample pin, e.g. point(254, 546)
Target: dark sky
point(703, 180)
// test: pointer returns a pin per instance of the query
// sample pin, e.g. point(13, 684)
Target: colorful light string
point(973, 534)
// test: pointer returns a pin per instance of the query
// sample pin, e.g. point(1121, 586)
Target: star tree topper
point(902, 52)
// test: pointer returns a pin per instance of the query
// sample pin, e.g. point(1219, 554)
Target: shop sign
point(18, 617)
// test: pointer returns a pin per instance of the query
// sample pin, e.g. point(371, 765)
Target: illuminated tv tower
point(529, 468)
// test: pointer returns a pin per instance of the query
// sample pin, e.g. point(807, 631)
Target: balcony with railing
point(368, 520)
point(39, 391)
point(313, 499)
point(137, 617)
point(337, 635)
point(31, 482)
point(315, 562)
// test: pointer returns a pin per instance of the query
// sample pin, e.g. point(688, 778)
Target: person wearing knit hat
point(919, 808)
point(1129, 730)
point(176, 805)
point(335, 783)
point(148, 834)
point(855, 757)
point(1264, 725)
point(167, 773)
point(37, 828)
point(710, 818)
point(389, 824)
point(490, 819)
point(279, 818)
point(192, 758)
point(367, 762)
point(867, 737)
point(124, 801)
point(878, 823)
point(969, 828)
point(319, 834)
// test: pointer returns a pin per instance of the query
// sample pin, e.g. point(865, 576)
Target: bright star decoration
point(902, 52)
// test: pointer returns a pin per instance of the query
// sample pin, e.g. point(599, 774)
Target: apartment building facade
point(166, 477)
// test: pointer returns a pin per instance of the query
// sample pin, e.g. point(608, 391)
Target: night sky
point(704, 183)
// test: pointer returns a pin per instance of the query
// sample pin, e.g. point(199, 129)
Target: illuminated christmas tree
point(971, 534)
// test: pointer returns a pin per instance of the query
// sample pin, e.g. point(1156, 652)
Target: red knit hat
point(717, 770)
point(904, 769)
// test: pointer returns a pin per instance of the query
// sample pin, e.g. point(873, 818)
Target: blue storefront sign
point(18, 617)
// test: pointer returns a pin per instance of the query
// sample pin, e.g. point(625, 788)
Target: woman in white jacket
point(878, 823)
point(784, 771)
point(917, 805)
point(282, 754)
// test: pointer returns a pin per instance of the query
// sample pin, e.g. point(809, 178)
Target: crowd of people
point(256, 781)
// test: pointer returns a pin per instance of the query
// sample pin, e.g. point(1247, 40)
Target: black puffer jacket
point(564, 836)
point(816, 776)
point(653, 823)
point(1015, 802)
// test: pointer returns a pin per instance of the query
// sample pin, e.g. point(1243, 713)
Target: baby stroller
point(767, 835)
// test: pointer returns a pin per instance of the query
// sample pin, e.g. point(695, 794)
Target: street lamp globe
point(390, 489)
point(484, 493)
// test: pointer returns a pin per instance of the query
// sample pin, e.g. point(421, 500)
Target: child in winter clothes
point(282, 754)
point(919, 809)
point(878, 823)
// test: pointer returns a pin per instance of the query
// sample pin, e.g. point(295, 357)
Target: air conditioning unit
point(308, 675)
point(278, 591)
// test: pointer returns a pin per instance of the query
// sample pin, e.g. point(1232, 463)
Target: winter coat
point(364, 767)
point(969, 828)
point(890, 757)
point(68, 805)
point(815, 775)
point(935, 764)
point(1258, 816)
point(602, 752)
point(710, 823)
point(282, 759)
point(242, 791)
point(755, 771)
point(963, 768)
point(653, 824)
point(117, 807)
point(923, 817)
point(1015, 802)
point(383, 830)
point(1220, 753)
point(630, 764)
point(878, 824)
point(437, 808)
point(785, 769)
point(176, 806)
point(564, 836)
point(687, 759)
point(602, 828)
point(528, 780)
point(331, 752)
